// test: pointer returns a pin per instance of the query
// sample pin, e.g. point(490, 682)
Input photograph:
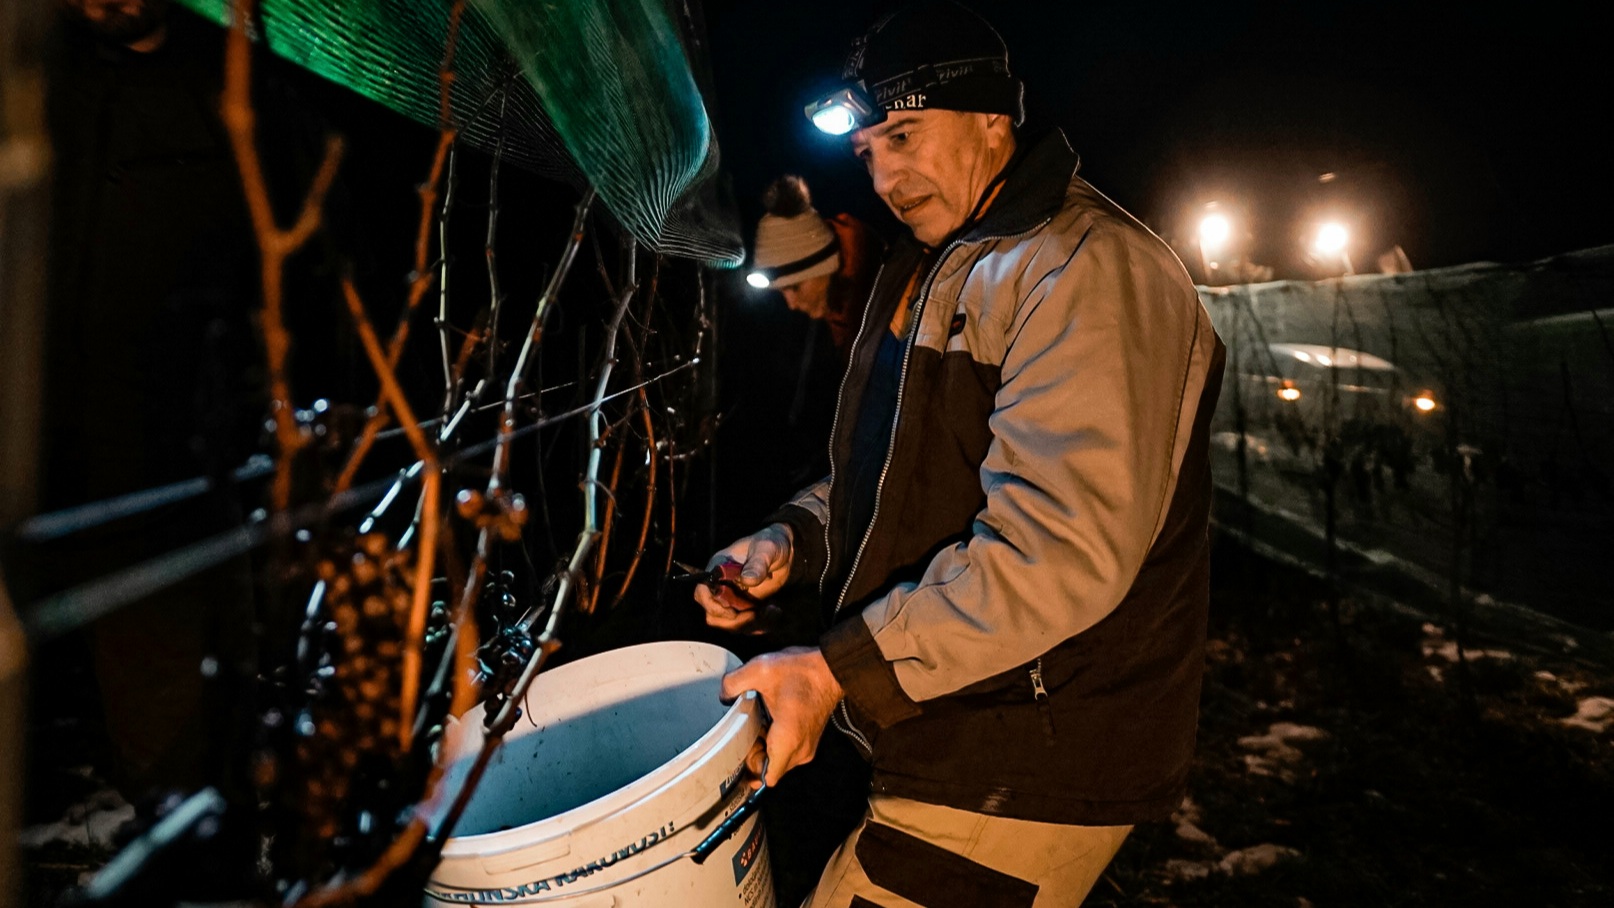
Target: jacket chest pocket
point(965, 315)
point(961, 407)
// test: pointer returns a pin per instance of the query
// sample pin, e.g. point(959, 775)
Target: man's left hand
point(800, 692)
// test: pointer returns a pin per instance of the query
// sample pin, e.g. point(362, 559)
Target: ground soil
point(1375, 771)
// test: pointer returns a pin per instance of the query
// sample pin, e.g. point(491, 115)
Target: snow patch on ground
point(1254, 859)
point(1188, 832)
point(1448, 651)
point(92, 823)
point(1564, 684)
point(1243, 862)
point(1595, 714)
point(1276, 748)
point(1435, 645)
point(1180, 870)
point(1187, 817)
point(1275, 754)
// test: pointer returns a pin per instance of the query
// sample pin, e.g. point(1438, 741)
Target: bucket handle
point(732, 824)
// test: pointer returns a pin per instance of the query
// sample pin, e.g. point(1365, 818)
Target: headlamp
point(762, 277)
point(981, 84)
point(844, 110)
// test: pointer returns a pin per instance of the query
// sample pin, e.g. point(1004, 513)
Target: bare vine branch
point(274, 243)
point(605, 530)
point(649, 499)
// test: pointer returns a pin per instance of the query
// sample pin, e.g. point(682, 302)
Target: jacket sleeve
point(807, 514)
point(1104, 364)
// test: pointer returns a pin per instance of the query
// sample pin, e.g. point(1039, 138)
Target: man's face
point(931, 166)
point(810, 296)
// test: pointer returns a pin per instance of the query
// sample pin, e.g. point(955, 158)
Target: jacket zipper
point(835, 423)
point(896, 420)
point(844, 723)
point(1038, 690)
point(1039, 693)
point(840, 601)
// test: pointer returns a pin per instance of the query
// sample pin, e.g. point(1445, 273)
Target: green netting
point(587, 90)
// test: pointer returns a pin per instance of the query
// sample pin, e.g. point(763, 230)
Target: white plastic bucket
point(620, 763)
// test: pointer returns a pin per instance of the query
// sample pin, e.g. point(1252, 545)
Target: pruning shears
point(724, 581)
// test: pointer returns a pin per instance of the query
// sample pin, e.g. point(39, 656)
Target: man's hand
point(800, 692)
point(765, 559)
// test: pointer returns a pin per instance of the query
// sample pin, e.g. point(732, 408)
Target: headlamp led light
point(844, 110)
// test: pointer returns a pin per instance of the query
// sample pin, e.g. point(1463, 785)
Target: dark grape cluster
point(348, 730)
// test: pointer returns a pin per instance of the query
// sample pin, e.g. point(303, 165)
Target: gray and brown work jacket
point(1020, 625)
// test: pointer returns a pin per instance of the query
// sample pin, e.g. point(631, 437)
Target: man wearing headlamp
point(1012, 545)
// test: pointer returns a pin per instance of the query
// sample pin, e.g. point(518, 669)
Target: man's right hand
point(764, 557)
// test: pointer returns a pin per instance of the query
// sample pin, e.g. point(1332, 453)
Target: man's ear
point(1000, 129)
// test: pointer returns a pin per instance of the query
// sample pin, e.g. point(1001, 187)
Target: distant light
point(835, 120)
point(1328, 177)
point(1331, 239)
point(1323, 359)
point(1288, 392)
point(757, 279)
point(1303, 356)
point(1214, 231)
point(1424, 402)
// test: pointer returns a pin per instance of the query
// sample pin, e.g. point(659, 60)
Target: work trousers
point(908, 854)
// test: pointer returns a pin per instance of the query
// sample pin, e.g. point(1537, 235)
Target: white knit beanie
point(793, 241)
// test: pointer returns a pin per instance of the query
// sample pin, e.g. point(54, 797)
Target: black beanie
point(935, 54)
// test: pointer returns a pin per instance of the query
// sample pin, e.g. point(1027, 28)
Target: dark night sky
point(1461, 138)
